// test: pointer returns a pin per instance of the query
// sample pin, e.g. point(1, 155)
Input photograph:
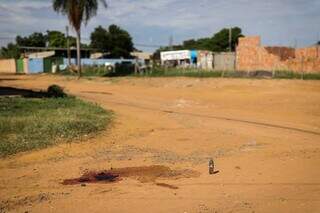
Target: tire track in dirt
point(218, 118)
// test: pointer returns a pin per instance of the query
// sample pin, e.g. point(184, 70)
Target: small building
point(180, 58)
point(201, 59)
point(143, 56)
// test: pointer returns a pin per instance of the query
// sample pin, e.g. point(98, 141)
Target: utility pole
point(318, 44)
point(68, 46)
point(171, 42)
point(230, 39)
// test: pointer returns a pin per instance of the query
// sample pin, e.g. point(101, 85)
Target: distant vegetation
point(219, 42)
point(37, 39)
point(115, 41)
point(34, 123)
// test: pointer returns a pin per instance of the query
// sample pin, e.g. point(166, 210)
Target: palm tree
point(78, 12)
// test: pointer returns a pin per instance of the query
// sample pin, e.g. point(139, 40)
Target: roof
point(41, 54)
point(142, 55)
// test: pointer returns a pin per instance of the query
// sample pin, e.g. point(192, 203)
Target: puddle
point(145, 174)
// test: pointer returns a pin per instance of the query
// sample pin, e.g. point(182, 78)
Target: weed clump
point(55, 91)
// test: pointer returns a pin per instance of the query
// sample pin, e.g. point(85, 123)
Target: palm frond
point(78, 11)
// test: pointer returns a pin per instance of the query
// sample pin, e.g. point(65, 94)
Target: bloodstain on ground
point(143, 174)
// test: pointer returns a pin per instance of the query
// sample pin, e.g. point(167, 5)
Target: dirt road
point(264, 137)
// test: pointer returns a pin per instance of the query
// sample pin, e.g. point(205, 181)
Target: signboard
point(175, 55)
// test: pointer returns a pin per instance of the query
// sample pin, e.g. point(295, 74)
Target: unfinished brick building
point(251, 56)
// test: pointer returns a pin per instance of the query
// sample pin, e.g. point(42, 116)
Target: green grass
point(34, 123)
point(88, 71)
point(296, 75)
point(174, 72)
point(287, 75)
point(196, 73)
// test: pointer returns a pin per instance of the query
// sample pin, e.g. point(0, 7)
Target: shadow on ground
point(10, 91)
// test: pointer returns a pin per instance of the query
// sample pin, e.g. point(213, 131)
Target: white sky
point(279, 22)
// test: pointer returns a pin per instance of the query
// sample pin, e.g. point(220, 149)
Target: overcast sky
point(279, 22)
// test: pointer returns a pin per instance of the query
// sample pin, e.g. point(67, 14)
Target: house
point(143, 56)
point(180, 58)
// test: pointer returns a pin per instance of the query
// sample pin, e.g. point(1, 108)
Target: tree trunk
point(79, 53)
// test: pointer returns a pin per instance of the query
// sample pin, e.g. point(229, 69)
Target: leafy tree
point(100, 39)
point(121, 42)
point(116, 41)
point(219, 42)
point(78, 12)
point(58, 39)
point(33, 40)
point(52, 39)
point(11, 51)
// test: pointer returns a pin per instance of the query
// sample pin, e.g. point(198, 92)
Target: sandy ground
point(264, 136)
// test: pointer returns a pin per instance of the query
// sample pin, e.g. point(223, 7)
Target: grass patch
point(35, 123)
point(87, 71)
point(95, 71)
point(174, 72)
point(287, 75)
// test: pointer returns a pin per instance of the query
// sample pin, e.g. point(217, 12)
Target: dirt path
point(264, 136)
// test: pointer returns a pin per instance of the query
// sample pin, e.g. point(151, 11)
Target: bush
point(55, 91)
point(123, 69)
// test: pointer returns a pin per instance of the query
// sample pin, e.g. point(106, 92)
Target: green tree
point(11, 51)
point(78, 12)
point(121, 42)
point(100, 39)
point(58, 39)
point(116, 41)
point(219, 42)
point(34, 40)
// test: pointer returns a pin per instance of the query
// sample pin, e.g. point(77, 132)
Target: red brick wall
point(251, 56)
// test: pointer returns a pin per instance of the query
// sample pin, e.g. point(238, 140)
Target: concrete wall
point(7, 66)
point(26, 65)
point(224, 61)
point(205, 60)
point(251, 56)
point(216, 61)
